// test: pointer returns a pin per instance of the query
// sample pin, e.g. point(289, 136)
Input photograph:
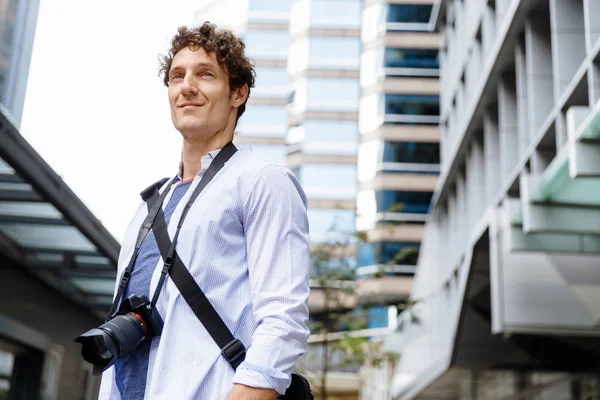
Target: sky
point(95, 108)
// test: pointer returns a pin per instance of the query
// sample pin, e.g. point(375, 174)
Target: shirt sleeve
point(278, 251)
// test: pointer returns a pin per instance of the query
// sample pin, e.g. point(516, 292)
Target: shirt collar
point(204, 162)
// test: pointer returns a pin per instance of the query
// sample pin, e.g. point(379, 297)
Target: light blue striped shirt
point(245, 241)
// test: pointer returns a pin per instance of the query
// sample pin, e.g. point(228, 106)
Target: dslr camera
point(134, 321)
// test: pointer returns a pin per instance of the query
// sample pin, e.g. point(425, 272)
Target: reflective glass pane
point(377, 317)
point(273, 152)
point(327, 137)
point(411, 58)
point(412, 104)
point(267, 44)
point(271, 82)
point(403, 202)
point(326, 225)
point(23, 209)
point(96, 286)
point(332, 94)
point(400, 253)
point(92, 260)
point(263, 121)
point(336, 13)
point(270, 5)
point(5, 168)
point(334, 52)
point(47, 236)
point(411, 152)
point(409, 13)
point(329, 181)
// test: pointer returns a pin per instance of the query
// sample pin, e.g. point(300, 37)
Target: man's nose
point(188, 86)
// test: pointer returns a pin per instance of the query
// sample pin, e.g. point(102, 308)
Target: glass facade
point(403, 201)
point(390, 253)
point(408, 13)
point(17, 30)
point(326, 94)
point(270, 5)
point(324, 137)
point(334, 52)
point(411, 152)
point(328, 181)
point(412, 104)
point(260, 120)
point(341, 14)
point(330, 224)
point(271, 82)
point(273, 152)
point(411, 58)
point(267, 44)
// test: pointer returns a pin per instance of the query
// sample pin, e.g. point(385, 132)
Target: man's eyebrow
point(199, 65)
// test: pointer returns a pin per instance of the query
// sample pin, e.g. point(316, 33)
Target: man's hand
point(243, 392)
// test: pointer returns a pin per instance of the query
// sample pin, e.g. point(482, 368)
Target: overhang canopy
point(47, 229)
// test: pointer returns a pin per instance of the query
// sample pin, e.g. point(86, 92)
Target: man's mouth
point(190, 104)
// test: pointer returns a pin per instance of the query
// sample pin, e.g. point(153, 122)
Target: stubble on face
point(199, 95)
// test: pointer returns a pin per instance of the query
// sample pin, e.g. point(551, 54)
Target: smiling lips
point(190, 104)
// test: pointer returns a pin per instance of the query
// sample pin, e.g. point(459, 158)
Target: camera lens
point(102, 346)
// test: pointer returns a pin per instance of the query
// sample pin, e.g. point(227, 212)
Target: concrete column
point(507, 126)
point(568, 41)
point(491, 149)
point(591, 10)
point(538, 56)
point(525, 135)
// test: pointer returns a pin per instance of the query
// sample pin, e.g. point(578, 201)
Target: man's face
point(201, 102)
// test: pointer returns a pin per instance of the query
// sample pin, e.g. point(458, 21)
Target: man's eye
point(176, 76)
point(207, 74)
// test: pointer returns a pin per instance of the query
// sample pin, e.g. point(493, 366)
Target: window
point(403, 202)
point(409, 13)
point(411, 58)
point(271, 82)
point(334, 52)
point(394, 253)
point(270, 5)
point(267, 44)
point(263, 121)
point(412, 104)
point(330, 224)
point(329, 181)
point(327, 94)
point(411, 152)
point(344, 14)
point(273, 152)
point(325, 137)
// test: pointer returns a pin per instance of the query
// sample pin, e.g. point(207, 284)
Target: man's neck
point(193, 151)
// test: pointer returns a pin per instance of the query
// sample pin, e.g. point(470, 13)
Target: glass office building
point(17, 30)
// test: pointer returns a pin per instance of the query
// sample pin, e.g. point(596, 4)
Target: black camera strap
point(142, 233)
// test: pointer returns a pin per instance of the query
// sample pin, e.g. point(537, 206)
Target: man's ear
point(239, 95)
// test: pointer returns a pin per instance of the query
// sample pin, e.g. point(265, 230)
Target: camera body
point(134, 321)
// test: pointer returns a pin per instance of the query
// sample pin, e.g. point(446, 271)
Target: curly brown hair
point(228, 48)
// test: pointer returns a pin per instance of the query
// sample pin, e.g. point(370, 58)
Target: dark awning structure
point(48, 230)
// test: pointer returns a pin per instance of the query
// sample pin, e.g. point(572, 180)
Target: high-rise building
point(264, 27)
point(17, 30)
point(507, 289)
point(355, 85)
point(398, 160)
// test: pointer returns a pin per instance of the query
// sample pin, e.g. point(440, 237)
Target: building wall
point(519, 107)
point(17, 31)
point(42, 309)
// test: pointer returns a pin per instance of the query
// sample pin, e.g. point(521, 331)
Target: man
point(244, 240)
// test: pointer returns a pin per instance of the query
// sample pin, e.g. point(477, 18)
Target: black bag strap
point(232, 349)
